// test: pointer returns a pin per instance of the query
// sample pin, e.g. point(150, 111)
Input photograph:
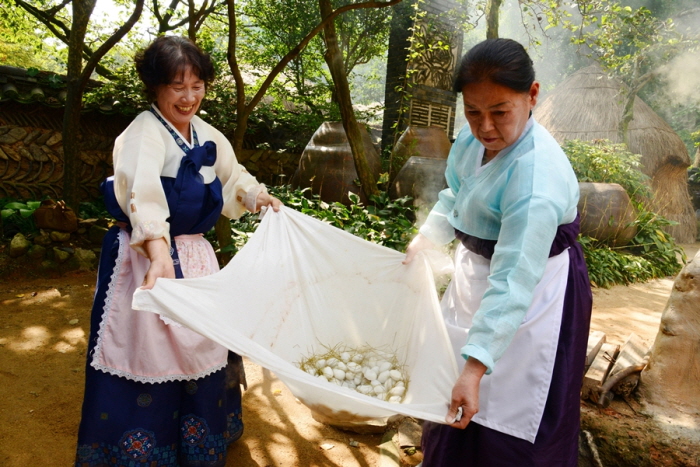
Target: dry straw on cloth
point(300, 286)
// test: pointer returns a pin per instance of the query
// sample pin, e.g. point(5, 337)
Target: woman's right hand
point(161, 262)
point(420, 242)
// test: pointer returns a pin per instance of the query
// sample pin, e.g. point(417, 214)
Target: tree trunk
point(334, 59)
point(492, 18)
point(82, 9)
point(672, 377)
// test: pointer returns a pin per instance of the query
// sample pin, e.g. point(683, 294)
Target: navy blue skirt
point(556, 443)
point(181, 423)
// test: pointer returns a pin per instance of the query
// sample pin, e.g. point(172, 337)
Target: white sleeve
point(139, 155)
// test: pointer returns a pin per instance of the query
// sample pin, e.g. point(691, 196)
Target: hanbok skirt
point(182, 422)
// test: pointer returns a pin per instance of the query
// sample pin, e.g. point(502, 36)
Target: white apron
point(513, 396)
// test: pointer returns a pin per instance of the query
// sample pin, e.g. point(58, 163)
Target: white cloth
point(300, 286)
point(513, 396)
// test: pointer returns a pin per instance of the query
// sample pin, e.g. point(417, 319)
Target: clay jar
point(606, 213)
point(422, 176)
point(328, 167)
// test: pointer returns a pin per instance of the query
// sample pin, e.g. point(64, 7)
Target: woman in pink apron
point(156, 392)
point(518, 307)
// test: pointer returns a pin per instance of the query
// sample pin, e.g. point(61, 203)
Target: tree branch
point(304, 42)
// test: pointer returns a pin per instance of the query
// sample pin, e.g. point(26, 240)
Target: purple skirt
point(556, 443)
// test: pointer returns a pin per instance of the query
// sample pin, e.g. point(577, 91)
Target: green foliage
point(602, 161)
point(17, 217)
point(386, 222)
point(652, 253)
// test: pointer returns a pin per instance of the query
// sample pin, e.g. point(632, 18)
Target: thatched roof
point(588, 105)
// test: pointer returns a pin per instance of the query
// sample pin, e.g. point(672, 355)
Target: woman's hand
point(465, 394)
point(420, 242)
point(161, 262)
point(265, 199)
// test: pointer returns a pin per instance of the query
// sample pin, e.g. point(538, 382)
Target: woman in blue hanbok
point(157, 393)
point(518, 307)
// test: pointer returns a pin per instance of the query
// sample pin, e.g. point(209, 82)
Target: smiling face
point(180, 100)
point(497, 114)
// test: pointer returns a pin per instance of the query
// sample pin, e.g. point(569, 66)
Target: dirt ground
point(43, 327)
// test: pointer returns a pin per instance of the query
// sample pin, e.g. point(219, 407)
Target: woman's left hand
point(465, 394)
point(265, 199)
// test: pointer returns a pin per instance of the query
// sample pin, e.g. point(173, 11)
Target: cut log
point(595, 341)
point(598, 371)
point(632, 355)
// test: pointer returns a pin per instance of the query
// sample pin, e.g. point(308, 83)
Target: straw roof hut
point(588, 105)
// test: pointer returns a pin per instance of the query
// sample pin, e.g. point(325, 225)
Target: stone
point(61, 237)
point(54, 139)
point(86, 259)
point(60, 255)
point(19, 245)
point(12, 154)
point(36, 252)
point(15, 134)
point(37, 153)
point(43, 138)
point(43, 238)
point(31, 137)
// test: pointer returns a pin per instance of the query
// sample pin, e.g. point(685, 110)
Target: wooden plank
point(598, 371)
point(596, 339)
point(632, 354)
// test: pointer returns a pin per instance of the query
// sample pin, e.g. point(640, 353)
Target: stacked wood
point(612, 370)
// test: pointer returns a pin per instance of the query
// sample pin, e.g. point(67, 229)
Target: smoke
point(682, 76)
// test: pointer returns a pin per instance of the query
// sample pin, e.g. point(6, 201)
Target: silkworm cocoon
point(379, 390)
point(364, 388)
point(311, 371)
point(341, 366)
point(354, 367)
point(374, 382)
point(345, 356)
point(388, 384)
point(358, 357)
point(349, 375)
point(349, 384)
point(339, 374)
point(323, 378)
point(397, 391)
point(321, 363)
point(383, 376)
point(332, 361)
point(328, 372)
point(370, 375)
point(334, 381)
point(357, 380)
point(384, 366)
point(400, 383)
point(395, 375)
point(395, 399)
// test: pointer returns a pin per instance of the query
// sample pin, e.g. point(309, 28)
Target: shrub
point(387, 222)
point(652, 253)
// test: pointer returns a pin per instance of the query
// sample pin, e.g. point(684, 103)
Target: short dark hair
point(167, 58)
point(501, 61)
